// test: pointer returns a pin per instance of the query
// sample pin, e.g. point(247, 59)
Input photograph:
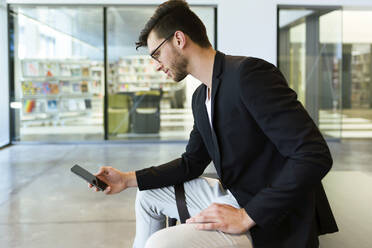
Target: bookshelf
point(53, 90)
point(361, 80)
point(137, 73)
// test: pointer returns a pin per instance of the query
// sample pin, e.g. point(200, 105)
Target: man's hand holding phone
point(116, 180)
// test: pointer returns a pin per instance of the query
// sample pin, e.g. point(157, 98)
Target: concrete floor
point(42, 204)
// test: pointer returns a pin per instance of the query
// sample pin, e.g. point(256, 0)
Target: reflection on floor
point(348, 125)
point(43, 205)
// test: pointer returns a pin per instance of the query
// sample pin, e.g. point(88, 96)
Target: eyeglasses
point(156, 56)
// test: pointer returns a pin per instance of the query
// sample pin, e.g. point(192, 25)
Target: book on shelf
point(28, 88)
point(40, 106)
point(85, 71)
point(96, 89)
point(38, 88)
point(54, 87)
point(76, 88)
point(65, 86)
point(65, 70)
point(84, 86)
point(46, 88)
point(30, 68)
point(52, 106)
point(32, 88)
point(50, 69)
point(96, 73)
point(76, 71)
point(28, 106)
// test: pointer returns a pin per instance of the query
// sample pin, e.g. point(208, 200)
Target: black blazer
point(266, 149)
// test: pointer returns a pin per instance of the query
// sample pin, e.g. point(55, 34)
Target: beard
point(178, 66)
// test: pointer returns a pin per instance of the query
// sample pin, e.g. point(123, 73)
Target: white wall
point(4, 83)
point(247, 27)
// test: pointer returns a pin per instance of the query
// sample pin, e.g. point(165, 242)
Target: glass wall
point(144, 103)
point(59, 83)
point(357, 77)
point(310, 57)
point(320, 48)
point(58, 73)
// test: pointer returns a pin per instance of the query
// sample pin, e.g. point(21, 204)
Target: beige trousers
point(152, 207)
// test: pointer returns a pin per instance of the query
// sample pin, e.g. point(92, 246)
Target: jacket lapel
point(202, 111)
point(202, 116)
point(216, 81)
point(217, 72)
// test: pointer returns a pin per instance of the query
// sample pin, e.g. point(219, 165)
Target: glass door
point(310, 57)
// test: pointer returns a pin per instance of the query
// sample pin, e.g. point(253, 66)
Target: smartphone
point(89, 177)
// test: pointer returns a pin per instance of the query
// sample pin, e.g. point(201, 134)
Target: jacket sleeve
point(283, 119)
point(191, 165)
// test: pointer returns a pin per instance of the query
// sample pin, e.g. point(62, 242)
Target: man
point(269, 155)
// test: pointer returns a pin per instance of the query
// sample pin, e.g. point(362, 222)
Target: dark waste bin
point(146, 115)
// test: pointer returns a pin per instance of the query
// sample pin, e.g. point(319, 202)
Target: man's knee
point(180, 236)
point(187, 236)
point(164, 238)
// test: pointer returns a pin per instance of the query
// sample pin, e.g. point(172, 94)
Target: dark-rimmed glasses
point(156, 56)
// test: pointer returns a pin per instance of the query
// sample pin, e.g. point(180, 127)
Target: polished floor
point(43, 205)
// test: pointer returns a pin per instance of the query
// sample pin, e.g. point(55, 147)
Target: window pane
point(58, 86)
point(144, 103)
point(310, 57)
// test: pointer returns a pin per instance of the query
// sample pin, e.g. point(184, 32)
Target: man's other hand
point(224, 218)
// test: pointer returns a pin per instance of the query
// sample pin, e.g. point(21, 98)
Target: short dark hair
point(171, 16)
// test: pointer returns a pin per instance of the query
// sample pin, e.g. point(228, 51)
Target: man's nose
point(158, 65)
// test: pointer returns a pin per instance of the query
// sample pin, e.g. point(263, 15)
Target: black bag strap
point(181, 202)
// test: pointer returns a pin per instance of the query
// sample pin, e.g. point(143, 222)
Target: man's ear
point(180, 39)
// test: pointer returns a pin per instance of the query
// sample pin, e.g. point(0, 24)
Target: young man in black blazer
point(268, 153)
